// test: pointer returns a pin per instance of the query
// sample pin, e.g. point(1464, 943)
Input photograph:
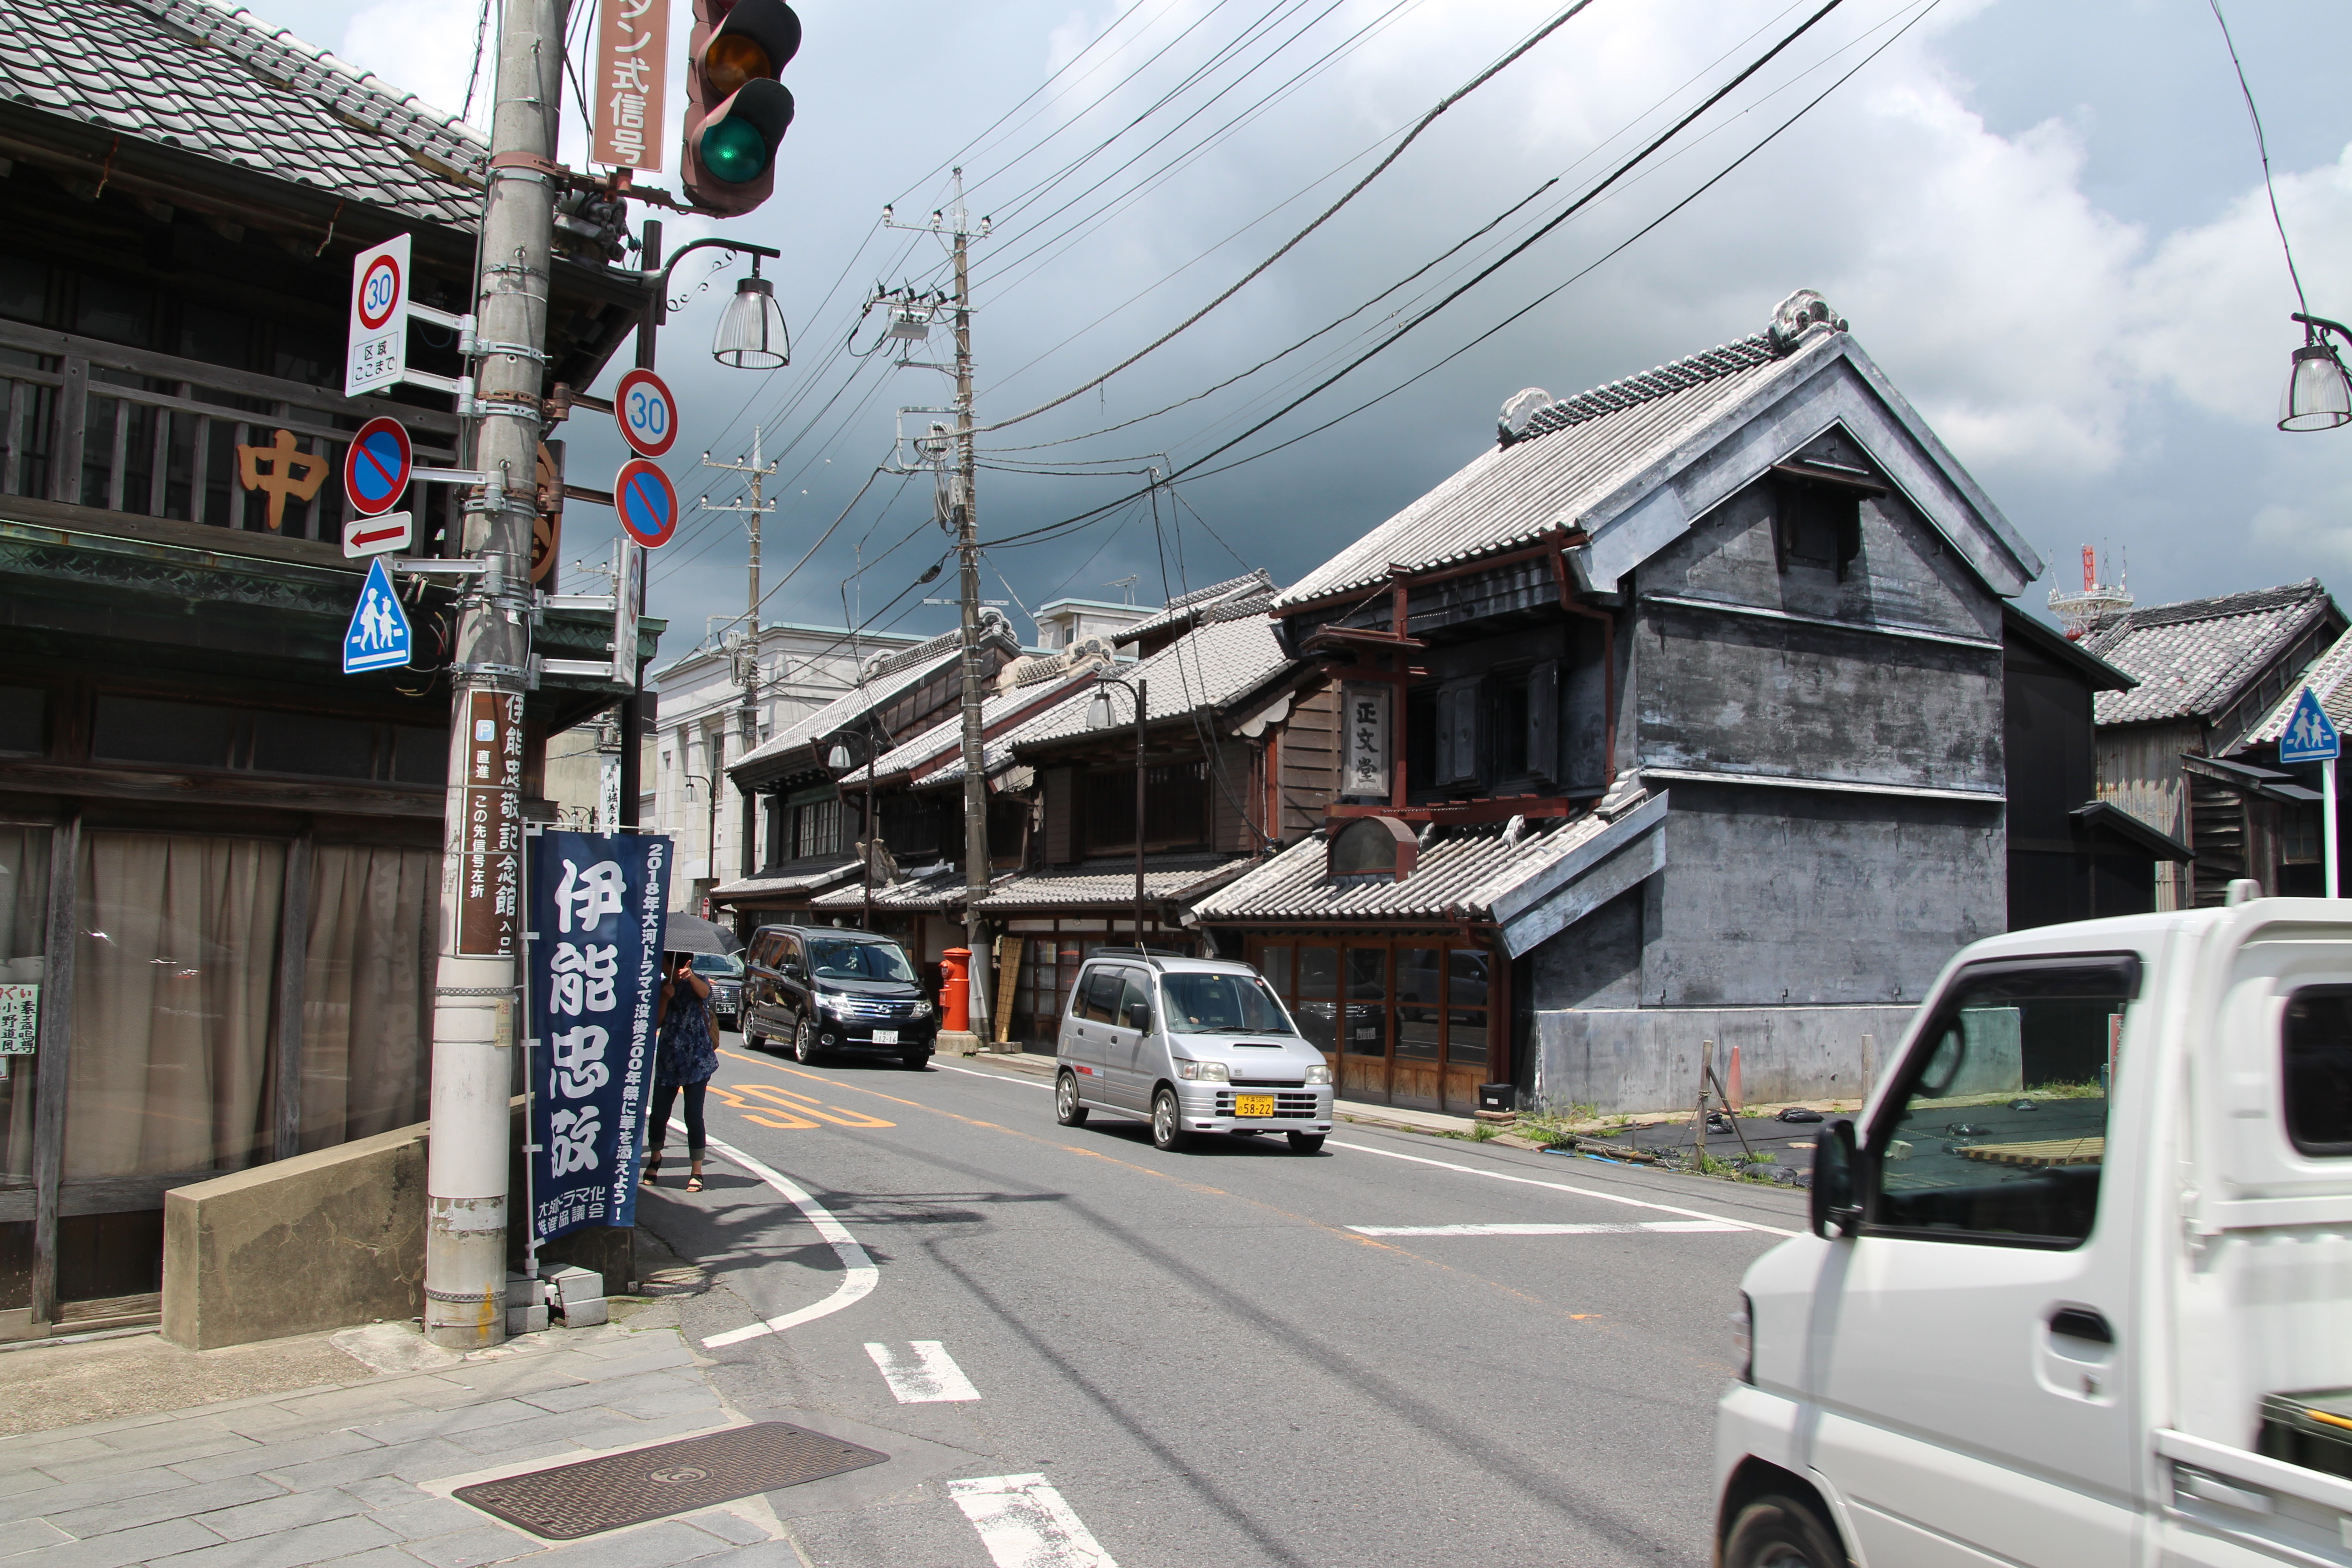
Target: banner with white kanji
point(598, 914)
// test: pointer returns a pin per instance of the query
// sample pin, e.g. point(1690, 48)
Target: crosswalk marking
point(1024, 1523)
point(1676, 1226)
point(929, 1377)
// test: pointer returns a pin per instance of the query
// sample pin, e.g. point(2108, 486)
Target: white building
point(1064, 621)
point(699, 729)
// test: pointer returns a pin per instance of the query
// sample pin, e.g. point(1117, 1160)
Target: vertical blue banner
point(598, 913)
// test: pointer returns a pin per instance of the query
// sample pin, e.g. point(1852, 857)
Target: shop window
point(1420, 1006)
point(1318, 996)
point(367, 990)
point(910, 826)
point(141, 730)
point(1368, 1021)
point(817, 829)
point(1466, 1006)
point(1176, 807)
point(174, 977)
point(308, 743)
point(22, 709)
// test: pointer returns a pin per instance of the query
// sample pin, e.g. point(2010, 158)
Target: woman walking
point(686, 1055)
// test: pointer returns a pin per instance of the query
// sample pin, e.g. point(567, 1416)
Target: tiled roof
point(787, 881)
point(886, 680)
point(219, 83)
point(1459, 873)
point(1112, 882)
point(947, 735)
point(1203, 604)
point(1575, 453)
point(2330, 680)
point(925, 890)
point(2193, 657)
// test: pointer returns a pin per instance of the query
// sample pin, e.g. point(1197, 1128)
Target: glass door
point(1468, 1010)
point(1414, 1077)
point(1364, 1070)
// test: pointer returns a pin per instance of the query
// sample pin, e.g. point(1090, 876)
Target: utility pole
point(955, 221)
point(747, 663)
point(475, 989)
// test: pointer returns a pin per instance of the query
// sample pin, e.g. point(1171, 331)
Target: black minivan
point(826, 989)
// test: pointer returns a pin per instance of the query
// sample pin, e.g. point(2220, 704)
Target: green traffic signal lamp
point(737, 112)
point(739, 143)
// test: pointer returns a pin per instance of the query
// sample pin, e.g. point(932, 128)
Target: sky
point(2046, 224)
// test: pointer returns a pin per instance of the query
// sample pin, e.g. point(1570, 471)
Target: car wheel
point(1066, 1108)
point(1306, 1143)
point(804, 1042)
point(754, 1041)
point(916, 1062)
point(1780, 1532)
point(1166, 1123)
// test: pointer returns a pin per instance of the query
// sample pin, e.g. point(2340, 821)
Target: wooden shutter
point(1543, 720)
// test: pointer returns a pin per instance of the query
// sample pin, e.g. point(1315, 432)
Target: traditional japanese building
point(220, 856)
point(1674, 721)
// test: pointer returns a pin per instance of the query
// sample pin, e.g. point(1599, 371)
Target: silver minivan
point(1196, 1045)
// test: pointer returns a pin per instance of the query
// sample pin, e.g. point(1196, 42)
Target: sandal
point(693, 1183)
point(651, 1175)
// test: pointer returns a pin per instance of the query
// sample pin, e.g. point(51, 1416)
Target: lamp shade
point(2318, 396)
point(837, 760)
point(1098, 711)
point(752, 333)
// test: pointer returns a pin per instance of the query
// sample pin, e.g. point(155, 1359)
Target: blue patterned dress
point(687, 1052)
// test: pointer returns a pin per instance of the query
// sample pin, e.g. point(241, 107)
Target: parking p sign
point(379, 328)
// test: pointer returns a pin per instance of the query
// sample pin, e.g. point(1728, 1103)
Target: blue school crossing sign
point(2310, 735)
point(378, 637)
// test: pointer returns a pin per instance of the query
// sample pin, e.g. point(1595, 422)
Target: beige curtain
point(367, 998)
point(174, 970)
point(23, 920)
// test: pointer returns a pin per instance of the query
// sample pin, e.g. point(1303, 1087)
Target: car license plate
point(885, 1037)
point(1252, 1105)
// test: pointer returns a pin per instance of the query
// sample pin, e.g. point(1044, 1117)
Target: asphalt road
point(1203, 1356)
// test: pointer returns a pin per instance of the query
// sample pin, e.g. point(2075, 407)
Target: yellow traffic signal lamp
point(737, 112)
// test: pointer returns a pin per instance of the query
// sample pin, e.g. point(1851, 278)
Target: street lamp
point(2318, 395)
point(751, 334)
point(837, 763)
point(1098, 717)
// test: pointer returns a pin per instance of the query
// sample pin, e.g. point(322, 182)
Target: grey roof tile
point(787, 881)
point(229, 87)
point(885, 680)
point(1202, 604)
point(2330, 680)
point(2193, 658)
point(1110, 883)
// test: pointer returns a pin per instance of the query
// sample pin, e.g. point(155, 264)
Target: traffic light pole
point(976, 683)
point(477, 995)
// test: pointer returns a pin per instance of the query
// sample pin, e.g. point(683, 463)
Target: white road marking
point(1024, 1523)
point(858, 1275)
point(1676, 1226)
point(1565, 1187)
point(932, 1377)
point(997, 1076)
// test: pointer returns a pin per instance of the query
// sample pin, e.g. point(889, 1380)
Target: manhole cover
point(572, 1500)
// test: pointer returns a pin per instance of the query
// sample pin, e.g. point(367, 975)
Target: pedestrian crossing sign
point(379, 635)
point(2310, 736)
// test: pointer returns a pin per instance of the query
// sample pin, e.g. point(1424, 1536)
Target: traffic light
point(735, 109)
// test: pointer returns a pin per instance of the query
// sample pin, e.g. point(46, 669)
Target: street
point(1202, 1353)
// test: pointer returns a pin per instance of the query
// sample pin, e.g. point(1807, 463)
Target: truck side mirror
point(1837, 1207)
point(1138, 1016)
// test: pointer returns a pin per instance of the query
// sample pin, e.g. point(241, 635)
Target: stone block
point(586, 1313)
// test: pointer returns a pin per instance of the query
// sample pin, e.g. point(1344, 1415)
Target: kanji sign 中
point(281, 471)
point(647, 505)
point(378, 353)
point(376, 467)
point(597, 925)
point(490, 881)
point(632, 65)
point(378, 637)
point(1364, 741)
point(2310, 734)
point(646, 412)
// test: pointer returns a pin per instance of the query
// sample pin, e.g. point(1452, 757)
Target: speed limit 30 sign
point(647, 413)
point(379, 335)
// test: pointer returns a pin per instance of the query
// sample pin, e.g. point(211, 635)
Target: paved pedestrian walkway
point(359, 1474)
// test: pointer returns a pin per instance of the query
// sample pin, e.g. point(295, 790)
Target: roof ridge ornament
point(1797, 315)
point(1523, 406)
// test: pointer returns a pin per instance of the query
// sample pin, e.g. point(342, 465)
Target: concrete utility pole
point(975, 682)
point(747, 664)
point(475, 989)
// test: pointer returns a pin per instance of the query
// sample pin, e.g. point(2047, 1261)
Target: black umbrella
point(692, 933)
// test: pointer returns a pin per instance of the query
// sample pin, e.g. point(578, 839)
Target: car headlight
point(923, 1009)
point(1319, 1073)
point(1206, 1072)
point(833, 1005)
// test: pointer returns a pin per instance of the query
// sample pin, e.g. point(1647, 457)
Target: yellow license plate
point(1252, 1105)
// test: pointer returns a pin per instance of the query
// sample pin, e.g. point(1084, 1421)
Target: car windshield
point(1222, 1005)
point(840, 959)
point(717, 963)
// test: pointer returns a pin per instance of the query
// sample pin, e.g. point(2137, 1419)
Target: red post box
point(955, 990)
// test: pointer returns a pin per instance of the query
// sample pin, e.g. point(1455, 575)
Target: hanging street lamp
point(2318, 396)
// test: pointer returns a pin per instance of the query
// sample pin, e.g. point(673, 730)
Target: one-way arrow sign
point(379, 635)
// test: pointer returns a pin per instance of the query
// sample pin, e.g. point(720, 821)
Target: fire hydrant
point(955, 989)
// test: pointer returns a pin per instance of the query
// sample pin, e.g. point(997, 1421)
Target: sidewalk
point(358, 1473)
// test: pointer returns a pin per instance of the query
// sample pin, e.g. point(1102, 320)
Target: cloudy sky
point(2046, 223)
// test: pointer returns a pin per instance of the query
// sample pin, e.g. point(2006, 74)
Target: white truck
point(2078, 1292)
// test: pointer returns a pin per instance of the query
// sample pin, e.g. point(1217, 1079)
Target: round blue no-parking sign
point(376, 467)
point(647, 505)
